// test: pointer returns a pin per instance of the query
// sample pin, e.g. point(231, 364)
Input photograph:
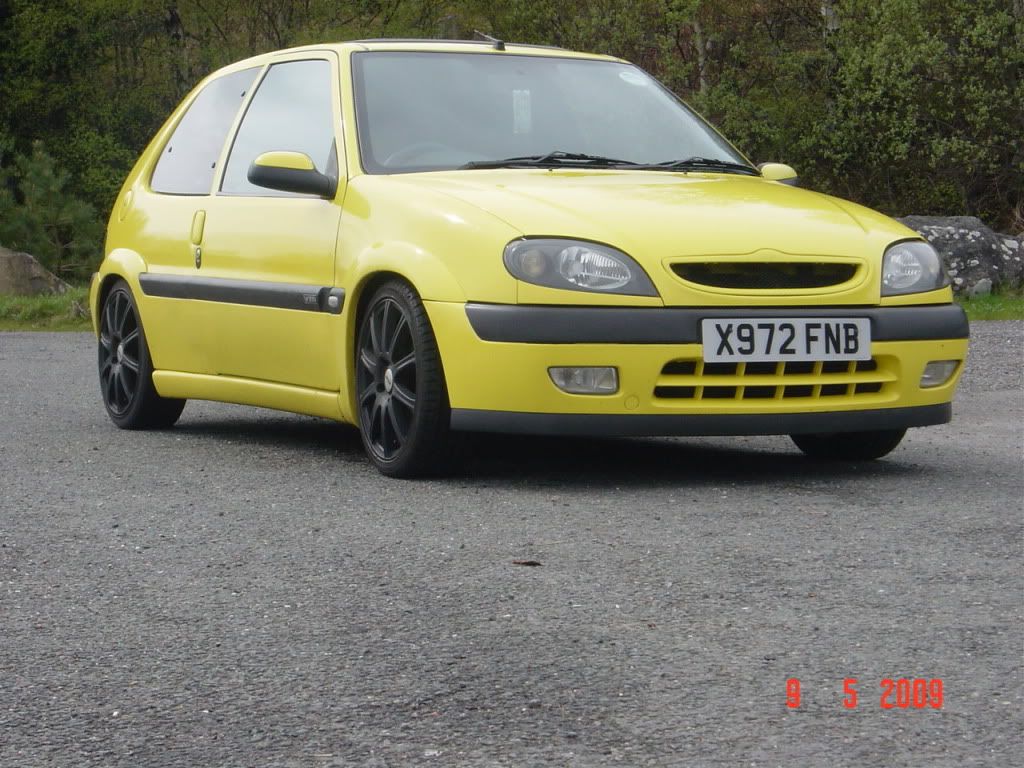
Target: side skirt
point(264, 394)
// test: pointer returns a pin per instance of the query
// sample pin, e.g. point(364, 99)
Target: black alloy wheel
point(849, 446)
point(126, 372)
point(400, 391)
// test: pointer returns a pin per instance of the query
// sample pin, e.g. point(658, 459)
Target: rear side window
point(189, 159)
point(290, 112)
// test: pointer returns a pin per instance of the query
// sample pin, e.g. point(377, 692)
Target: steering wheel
point(403, 155)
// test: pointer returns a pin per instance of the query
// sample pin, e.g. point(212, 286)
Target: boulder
point(22, 275)
point(977, 259)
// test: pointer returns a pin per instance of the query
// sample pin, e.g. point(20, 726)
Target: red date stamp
point(899, 693)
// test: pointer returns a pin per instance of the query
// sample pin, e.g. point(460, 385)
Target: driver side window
point(291, 111)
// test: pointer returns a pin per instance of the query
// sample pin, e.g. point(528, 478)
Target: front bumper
point(496, 359)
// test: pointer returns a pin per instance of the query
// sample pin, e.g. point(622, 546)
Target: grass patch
point(996, 306)
point(63, 312)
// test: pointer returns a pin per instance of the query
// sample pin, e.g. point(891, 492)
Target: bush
point(39, 217)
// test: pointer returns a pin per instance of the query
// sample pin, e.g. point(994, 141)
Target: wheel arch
point(120, 264)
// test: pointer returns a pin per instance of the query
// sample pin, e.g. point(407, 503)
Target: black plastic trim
point(307, 298)
point(675, 325)
point(650, 425)
point(296, 180)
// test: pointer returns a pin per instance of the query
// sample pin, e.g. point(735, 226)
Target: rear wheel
point(126, 371)
point(849, 446)
point(402, 400)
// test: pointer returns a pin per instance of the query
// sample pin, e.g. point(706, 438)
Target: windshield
point(434, 111)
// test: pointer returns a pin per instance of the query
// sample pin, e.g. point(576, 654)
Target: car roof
point(495, 47)
point(423, 46)
point(482, 46)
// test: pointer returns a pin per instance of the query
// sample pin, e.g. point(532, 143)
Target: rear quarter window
point(189, 159)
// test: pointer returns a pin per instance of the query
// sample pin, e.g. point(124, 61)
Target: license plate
point(759, 340)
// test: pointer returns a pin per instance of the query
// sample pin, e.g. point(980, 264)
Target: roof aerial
point(499, 45)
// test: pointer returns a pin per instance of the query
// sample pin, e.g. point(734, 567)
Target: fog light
point(937, 372)
point(586, 381)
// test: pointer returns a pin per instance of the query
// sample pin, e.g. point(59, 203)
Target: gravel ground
point(244, 590)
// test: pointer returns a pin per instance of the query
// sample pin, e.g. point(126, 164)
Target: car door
point(162, 209)
point(266, 257)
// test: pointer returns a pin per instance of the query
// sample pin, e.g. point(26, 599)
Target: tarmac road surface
point(245, 590)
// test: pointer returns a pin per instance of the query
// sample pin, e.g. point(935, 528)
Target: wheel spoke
point(385, 315)
point(374, 338)
point(127, 316)
point(387, 431)
point(131, 337)
point(404, 363)
point(121, 380)
point(105, 342)
point(383, 335)
point(108, 314)
point(131, 378)
point(396, 333)
point(377, 426)
point(404, 396)
point(115, 314)
point(369, 391)
point(367, 361)
point(105, 368)
point(111, 384)
point(130, 363)
point(399, 431)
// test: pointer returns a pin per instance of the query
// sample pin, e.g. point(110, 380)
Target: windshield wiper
point(555, 159)
point(701, 164)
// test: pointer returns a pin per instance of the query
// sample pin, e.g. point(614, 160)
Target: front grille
point(693, 379)
point(766, 275)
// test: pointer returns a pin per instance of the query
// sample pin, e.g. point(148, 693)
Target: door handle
point(198, 224)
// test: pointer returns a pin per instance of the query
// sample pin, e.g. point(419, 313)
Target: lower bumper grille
point(693, 379)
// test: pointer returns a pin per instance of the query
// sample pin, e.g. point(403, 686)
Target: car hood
point(656, 215)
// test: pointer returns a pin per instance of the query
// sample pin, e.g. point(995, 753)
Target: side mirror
point(291, 172)
point(779, 172)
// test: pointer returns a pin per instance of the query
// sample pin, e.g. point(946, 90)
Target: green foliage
point(923, 107)
point(912, 106)
point(61, 312)
point(996, 306)
point(38, 216)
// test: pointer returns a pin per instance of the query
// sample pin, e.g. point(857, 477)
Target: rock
point(977, 259)
point(981, 288)
point(22, 275)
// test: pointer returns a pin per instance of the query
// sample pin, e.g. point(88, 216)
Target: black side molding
point(676, 325)
point(306, 298)
point(650, 425)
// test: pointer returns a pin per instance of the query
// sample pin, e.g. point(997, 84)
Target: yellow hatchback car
point(428, 237)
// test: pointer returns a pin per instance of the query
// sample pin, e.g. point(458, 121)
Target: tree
point(37, 215)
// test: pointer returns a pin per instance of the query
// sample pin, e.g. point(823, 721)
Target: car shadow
point(518, 460)
point(295, 433)
point(647, 462)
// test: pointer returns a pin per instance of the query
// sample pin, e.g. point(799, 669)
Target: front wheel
point(126, 371)
point(402, 400)
point(849, 446)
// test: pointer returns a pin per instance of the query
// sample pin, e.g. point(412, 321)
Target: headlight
point(576, 265)
point(911, 267)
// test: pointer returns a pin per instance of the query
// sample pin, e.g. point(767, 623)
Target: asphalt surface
point(245, 590)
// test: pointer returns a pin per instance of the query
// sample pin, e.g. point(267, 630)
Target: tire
point(402, 400)
point(849, 446)
point(125, 367)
